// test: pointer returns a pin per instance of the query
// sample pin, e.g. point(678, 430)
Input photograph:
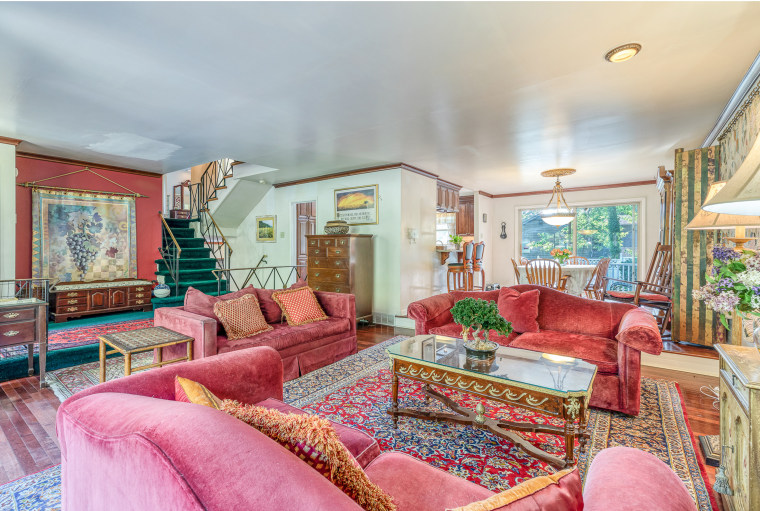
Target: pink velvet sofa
point(608, 334)
point(303, 348)
point(127, 445)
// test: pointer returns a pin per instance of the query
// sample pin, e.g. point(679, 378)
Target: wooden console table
point(76, 299)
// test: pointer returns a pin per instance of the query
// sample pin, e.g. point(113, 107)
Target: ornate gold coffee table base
point(572, 408)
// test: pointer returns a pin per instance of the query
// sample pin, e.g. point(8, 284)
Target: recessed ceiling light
point(623, 53)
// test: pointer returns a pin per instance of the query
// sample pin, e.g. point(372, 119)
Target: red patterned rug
point(356, 391)
point(81, 336)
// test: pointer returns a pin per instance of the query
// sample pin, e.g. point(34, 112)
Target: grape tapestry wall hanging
point(83, 236)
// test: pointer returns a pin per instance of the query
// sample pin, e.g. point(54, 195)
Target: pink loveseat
point(607, 334)
point(303, 348)
point(127, 445)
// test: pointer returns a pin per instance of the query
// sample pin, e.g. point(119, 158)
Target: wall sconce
point(503, 234)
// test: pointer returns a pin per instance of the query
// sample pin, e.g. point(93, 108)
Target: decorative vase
point(161, 291)
point(336, 227)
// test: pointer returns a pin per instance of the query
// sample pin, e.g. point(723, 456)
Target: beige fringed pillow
point(314, 440)
point(241, 317)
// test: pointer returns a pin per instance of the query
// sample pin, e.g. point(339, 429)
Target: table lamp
point(741, 195)
point(705, 220)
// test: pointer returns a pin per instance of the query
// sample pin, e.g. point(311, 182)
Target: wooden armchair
point(655, 291)
point(595, 286)
point(546, 272)
point(517, 271)
point(575, 259)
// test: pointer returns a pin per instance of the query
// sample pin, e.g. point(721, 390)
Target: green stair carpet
point(195, 265)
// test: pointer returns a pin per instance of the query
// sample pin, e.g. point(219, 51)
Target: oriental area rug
point(356, 391)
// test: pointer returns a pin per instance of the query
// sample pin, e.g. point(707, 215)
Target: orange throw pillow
point(299, 305)
point(241, 317)
point(314, 440)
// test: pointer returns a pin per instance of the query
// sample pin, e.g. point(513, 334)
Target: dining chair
point(517, 271)
point(546, 272)
point(523, 261)
point(477, 267)
point(460, 272)
point(595, 287)
point(575, 259)
point(654, 291)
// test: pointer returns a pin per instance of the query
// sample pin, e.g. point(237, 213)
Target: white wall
point(505, 209)
point(419, 263)
point(171, 180)
point(7, 211)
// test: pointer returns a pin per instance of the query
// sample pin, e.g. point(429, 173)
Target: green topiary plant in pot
point(482, 316)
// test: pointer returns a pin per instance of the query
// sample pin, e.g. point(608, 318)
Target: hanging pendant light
point(557, 212)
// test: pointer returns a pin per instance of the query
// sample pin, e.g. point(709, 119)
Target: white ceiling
point(485, 94)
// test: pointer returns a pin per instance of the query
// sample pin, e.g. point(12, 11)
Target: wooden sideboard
point(25, 322)
point(740, 424)
point(75, 299)
point(342, 264)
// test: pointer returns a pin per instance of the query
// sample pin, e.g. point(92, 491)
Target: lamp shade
point(741, 195)
point(707, 220)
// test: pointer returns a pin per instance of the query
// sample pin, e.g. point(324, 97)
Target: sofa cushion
point(284, 336)
point(560, 491)
point(272, 311)
point(202, 304)
point(454, 330)
point(189, 391)
point(299, 305)
point(599, 351)
point(422, 487)
point(314, 440)
point(362, 446)
point(520, 309)
point(241, 317)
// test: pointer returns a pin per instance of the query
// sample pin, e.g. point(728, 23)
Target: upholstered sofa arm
point(431, 312)
point(249, 376)
point(638, 330)
point(200, 328)
point(648, 483)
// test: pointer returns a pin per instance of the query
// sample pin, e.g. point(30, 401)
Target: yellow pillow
point(190, 391)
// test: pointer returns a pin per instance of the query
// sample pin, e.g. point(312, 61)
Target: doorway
point(306, 223)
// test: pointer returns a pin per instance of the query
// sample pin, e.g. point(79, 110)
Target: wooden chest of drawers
point(74, 299)
point(342, 264)
point(740, 424)
point(25, 322)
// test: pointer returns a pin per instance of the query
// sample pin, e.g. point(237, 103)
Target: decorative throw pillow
point(559, 491)
point(299, 305)
point(198, 302)
point(189, 391)
point(272, 311)
point(241, 317)
point(314, 440)
point(521, 309)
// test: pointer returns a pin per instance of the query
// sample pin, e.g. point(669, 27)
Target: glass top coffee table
point(556, 386)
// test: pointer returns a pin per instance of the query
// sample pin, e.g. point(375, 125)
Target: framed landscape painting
point(357, 206)
point(266, 228)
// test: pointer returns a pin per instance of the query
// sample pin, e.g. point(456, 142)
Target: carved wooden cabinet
point(448, 197)
point(75, 299)
point(465, 218)
point(740, 424)
point(342, 264)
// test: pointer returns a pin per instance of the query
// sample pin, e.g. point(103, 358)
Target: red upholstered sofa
point(303, 348)
point(607, 334)
point(127, 445)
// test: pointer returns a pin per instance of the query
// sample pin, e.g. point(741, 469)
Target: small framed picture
point(266, 228)
point(357, 205)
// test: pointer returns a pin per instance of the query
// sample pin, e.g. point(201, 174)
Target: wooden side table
point(25, 322)
point(144, 339)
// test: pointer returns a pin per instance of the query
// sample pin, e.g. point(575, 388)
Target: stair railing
point(269, 274)
point(170, 252)
point(216, 241)
point(212, 179)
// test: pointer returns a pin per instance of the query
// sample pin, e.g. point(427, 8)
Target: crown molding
point(10, 141)
point(378, 168)
point(81, 163)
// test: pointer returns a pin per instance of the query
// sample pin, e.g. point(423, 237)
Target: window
point(445, 226)
point(597, 232)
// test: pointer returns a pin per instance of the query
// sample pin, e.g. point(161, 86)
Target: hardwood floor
point(28, 442)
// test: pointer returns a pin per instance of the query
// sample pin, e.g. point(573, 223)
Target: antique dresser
point(75, 299)
point(342, 263)
point(740, 424)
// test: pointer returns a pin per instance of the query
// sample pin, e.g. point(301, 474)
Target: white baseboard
point(402, 322)
point(686, 363)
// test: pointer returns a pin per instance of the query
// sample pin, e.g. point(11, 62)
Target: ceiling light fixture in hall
point(557, 212)
point(623, 53)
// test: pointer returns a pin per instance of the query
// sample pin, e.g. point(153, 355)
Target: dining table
point(579, 275)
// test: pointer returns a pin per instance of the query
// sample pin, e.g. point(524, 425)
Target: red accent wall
point(148, 223)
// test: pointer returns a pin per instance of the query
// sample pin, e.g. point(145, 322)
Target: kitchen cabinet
point(448, 197)
point(465, 219)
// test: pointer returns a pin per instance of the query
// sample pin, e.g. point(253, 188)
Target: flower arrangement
point(733, 284)
point(483, 316)
point(560, 254)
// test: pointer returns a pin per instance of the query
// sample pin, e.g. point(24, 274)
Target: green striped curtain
point(695, 171)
